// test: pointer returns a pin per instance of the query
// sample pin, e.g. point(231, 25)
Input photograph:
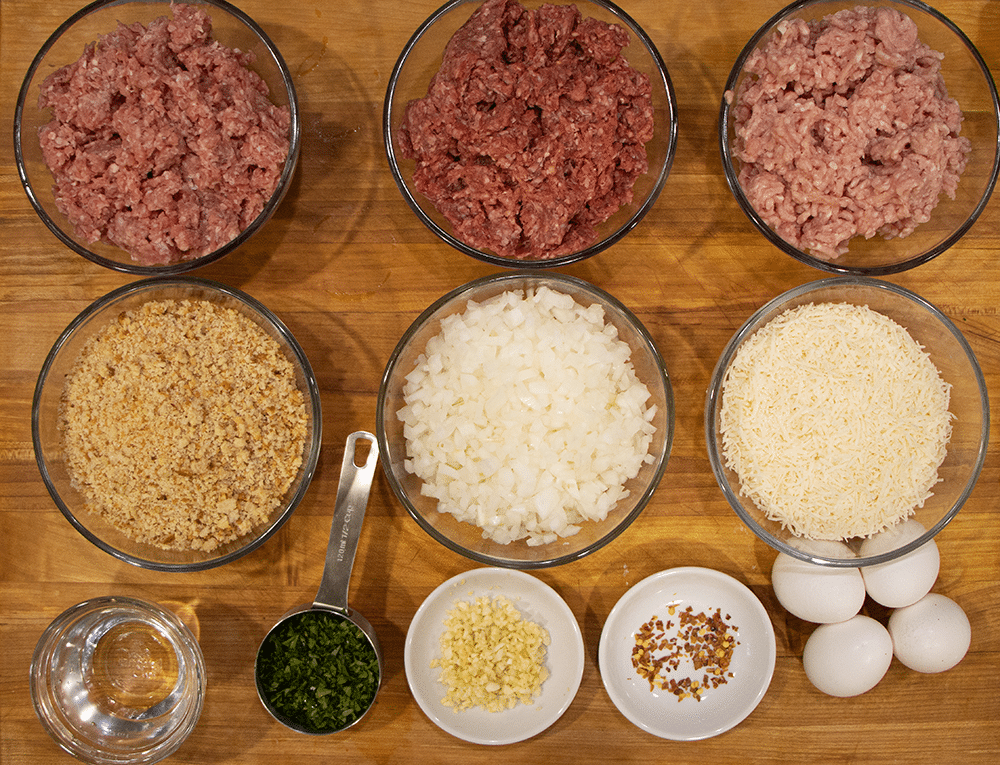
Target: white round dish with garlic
point(538, 603)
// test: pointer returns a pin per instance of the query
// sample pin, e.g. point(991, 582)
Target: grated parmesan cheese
point(835, 420)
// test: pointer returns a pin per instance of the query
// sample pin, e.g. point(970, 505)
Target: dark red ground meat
point(162, 141)
point(533, 131)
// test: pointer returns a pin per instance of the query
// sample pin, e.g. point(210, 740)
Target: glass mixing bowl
point(231, 27)
point(48, 439)
point(467, 538)
point(968, 80)
point(421, 59)
point(955, 361)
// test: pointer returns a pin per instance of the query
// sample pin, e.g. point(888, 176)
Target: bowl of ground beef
point(525, 419)
point(847, 421)
point(153, 138)
point(860, 137)
point(530, 135)
point(176, 423)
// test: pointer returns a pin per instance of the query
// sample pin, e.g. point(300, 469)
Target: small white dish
point(537, 602)
point(659, 711)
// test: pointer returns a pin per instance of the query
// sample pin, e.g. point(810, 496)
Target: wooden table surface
point(347, 266)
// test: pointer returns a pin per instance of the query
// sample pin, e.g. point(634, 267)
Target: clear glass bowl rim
point(129, 267)
point(38, 675)
point(732, 180)
point(712, 401)
point(570, 282)
point(530, 264)
point(312, 394)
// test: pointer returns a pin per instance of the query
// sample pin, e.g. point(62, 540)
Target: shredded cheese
point(835, 420)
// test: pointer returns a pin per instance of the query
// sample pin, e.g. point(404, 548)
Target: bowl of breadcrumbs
point(176, 423)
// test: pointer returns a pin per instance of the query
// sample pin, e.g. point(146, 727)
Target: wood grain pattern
point(347, 266)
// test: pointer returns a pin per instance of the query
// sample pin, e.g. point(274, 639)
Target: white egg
point(847, 658)
point(907, 579)
point(817, 593)
point(931, 635)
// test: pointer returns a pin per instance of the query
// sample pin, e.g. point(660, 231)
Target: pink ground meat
point(844, 128)
point(533, 131)
point(162, 141)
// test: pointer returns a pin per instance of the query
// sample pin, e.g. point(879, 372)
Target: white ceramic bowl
point(659, 712)
point(537, 602)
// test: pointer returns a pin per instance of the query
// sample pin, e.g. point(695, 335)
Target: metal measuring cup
point(352, 500)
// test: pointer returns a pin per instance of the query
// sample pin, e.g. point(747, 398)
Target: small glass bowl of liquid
point(118, 680)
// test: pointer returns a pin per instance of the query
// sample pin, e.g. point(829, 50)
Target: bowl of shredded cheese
point(525, 419)
point(842, 408)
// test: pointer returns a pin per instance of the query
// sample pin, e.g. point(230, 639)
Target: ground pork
point(533, 131)
point(162, 142)
point(843, 127)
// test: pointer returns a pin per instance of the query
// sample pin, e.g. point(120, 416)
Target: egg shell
point(847, 658)
point(932, 635)
point(905, 580)
point(817, 593)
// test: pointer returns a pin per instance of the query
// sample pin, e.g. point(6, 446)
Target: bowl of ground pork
point(860, 137)
point(530, 134)
point(525, 419)
point(156, 137)
point(176, 423)
point(843, 411)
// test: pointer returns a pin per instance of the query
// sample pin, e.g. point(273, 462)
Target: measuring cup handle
point(348, 514)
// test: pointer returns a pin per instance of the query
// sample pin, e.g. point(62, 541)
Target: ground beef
point(844, 128)
point(533, 132)
point(162, 141)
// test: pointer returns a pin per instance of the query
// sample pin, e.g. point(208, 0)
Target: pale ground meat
point(162, 141)
point(532, 132)
point(183, 424)
point(844, 128)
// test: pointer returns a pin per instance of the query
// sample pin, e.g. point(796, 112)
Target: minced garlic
point(491, 657)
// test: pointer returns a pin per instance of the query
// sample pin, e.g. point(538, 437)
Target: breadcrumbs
point(183, 424)
point(491, 657)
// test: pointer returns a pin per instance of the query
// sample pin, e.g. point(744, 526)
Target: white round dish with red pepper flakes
point(650, 648)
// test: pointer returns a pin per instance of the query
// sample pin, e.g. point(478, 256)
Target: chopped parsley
point(318, 671)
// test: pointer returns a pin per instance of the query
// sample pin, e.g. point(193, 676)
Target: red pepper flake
point(707, 640)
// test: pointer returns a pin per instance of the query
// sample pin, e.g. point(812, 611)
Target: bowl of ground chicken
point(841, 409)
point(153, 138)
point(861, 137)
point(525, 419)
point(176, 423)
point(530, 134)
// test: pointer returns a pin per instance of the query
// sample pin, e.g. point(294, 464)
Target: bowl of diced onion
point(839, 410)
point(525, 419)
